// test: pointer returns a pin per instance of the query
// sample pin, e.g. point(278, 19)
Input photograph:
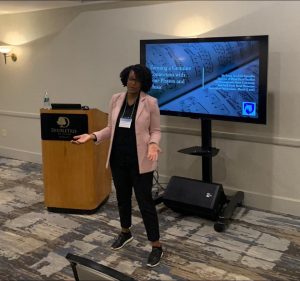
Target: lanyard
point(126, 107)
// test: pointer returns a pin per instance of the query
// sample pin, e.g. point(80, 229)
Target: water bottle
point(47, 104)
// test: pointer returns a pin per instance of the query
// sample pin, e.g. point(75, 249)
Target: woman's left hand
point(153, 150)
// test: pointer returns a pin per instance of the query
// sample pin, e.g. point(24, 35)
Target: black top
point(124, 148)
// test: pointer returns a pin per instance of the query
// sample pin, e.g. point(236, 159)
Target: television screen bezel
point(263, 75)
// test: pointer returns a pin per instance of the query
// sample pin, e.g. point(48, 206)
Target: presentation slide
point(219, 78)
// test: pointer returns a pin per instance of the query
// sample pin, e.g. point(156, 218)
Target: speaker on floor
point(194, 197)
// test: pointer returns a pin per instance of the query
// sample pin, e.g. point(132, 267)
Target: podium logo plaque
point(63, 126)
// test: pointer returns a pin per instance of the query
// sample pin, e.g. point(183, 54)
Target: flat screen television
point(223, 78)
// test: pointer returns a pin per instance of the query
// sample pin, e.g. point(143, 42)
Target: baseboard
point(262, 201)
point(29, 156)
point(272, 203)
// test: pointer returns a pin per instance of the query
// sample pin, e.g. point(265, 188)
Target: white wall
point(77, 54)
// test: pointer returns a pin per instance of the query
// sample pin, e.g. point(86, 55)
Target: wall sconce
point(5, 50)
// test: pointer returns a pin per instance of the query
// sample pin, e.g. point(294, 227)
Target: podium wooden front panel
point(75, 176)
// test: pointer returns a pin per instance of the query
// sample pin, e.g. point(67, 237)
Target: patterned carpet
point(258, 245)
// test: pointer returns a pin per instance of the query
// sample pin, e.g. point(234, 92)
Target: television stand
point(226, 213)
point(200, 151)
point(206, 151)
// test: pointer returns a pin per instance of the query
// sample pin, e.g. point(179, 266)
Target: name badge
point(125, 122)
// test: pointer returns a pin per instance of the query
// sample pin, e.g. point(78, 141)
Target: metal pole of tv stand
point(206, 146)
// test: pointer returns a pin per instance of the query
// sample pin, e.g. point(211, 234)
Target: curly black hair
point(142, 73)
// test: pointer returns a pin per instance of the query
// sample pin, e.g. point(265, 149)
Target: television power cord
point(158, 187)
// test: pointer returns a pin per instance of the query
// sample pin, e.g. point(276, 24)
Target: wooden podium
point(75, 176)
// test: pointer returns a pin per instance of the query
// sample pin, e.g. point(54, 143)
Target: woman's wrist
point(93, 137)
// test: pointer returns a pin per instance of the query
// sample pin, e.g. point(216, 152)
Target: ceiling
point(13, 7)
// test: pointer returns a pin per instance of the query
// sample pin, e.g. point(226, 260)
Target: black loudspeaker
point(194, 197)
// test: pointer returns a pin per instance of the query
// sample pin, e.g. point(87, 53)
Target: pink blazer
point(147, 127)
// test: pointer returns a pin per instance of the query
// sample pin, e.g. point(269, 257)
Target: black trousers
point(125, 178)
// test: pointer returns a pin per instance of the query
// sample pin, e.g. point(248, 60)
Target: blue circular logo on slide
point(249, 109)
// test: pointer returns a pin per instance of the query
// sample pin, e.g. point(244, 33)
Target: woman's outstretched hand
point(80, 139)
point(153, 150)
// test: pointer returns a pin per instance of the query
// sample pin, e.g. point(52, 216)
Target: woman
point(134, 132)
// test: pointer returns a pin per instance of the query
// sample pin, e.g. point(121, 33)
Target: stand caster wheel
point(219, 226)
